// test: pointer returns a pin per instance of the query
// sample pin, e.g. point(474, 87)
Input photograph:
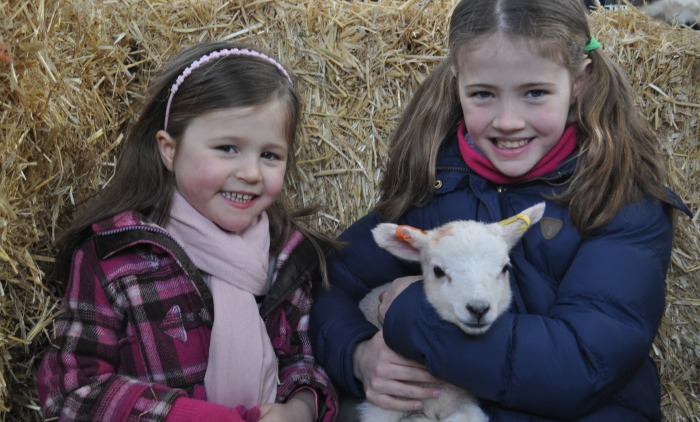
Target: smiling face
point(515, 101)
point(230, 163)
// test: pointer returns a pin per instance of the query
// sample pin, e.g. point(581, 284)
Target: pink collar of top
point(484, 168)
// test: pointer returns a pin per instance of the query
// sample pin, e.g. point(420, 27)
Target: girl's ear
point(580, 79)
point(166, 146)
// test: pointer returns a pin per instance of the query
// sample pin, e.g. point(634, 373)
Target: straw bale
point(71, 72)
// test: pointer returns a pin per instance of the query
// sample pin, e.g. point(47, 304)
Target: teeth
point(511, 144)
point(238, 197)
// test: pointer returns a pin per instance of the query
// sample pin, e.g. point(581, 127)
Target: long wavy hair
point(142, 182)
point(618, 163)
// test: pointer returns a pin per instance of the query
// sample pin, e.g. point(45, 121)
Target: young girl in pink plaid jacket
point(188, 278)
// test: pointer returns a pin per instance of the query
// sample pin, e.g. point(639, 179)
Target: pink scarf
point(242, 368)
point(484, 168)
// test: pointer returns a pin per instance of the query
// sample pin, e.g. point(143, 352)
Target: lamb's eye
point(439, 273)
point(505, 268)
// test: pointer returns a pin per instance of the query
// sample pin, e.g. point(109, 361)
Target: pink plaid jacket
point(135, 331)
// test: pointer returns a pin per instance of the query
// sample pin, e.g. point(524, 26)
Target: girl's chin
point(513, 171)
point(237, 226)
point(514, 166)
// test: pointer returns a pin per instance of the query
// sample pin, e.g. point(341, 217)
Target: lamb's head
point(465, 264)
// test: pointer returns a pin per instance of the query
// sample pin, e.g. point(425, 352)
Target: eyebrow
point(529, 85)
point(538, 84)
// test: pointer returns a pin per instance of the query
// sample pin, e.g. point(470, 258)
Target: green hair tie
point(593, 44)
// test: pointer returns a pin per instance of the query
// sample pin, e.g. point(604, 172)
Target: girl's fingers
point(405, 397)
point(391, 390)
point(403, 369)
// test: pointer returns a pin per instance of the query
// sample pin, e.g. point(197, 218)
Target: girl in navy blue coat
point(526, 107)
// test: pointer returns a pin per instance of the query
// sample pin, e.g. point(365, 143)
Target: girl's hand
point(299, 408)
point(388, 378)
point(397, 286)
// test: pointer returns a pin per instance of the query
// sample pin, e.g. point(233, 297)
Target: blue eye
point(536, 93)
point(482, 95)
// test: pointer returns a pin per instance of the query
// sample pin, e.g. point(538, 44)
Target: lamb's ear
point(513, 228)
point(401, 241)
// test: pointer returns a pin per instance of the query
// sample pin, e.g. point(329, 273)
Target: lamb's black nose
point(478, 309)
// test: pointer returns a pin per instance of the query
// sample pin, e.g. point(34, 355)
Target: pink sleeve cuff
point(186, 409)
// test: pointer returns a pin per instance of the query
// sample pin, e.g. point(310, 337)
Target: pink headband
point(215, 55)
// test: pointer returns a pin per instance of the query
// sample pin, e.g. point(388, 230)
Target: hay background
point(78, 67)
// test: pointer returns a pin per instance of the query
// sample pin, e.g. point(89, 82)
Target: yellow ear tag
point(515, 218)
point(402, 233)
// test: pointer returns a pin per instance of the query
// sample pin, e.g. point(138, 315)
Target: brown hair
point(142, 182)
point(618, 161)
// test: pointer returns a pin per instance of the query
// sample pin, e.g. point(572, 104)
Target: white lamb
point(465, 276)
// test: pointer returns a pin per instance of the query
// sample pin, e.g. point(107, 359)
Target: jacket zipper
point(157, 230)
point(503, 188)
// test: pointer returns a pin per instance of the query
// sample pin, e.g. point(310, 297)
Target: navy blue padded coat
point(575, 344)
